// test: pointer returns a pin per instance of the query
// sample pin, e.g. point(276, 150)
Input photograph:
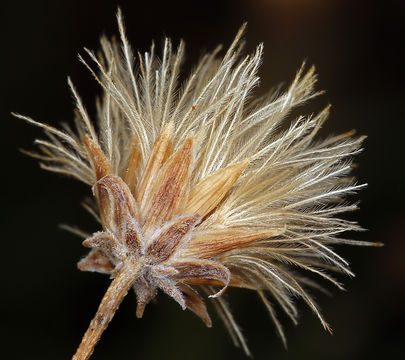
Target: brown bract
point(150, 239)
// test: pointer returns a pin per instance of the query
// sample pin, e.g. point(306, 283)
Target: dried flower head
point(198, 189)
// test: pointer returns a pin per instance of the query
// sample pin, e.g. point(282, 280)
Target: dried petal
point(145, 292)
point(192, 270)
point(118, 209)
point(101, 240)
point(170, 188)
point(161, 151)
point(171, 289)
point(100, 162)
point(166, 240)
point(131, 174)
point(96, 261)
point(132, 236)
point(207, 194)
point(208, 244)
point(196, 304)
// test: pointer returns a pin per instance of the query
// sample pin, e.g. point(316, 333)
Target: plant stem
point(112, 299)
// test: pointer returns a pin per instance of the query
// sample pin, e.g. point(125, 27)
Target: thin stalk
point(112, 299)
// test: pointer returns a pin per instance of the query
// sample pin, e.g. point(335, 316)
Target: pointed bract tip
point(140, 308)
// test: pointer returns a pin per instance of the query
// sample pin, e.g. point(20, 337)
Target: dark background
point(46, 303)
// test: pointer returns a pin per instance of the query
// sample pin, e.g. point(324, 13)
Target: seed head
point(197, 189)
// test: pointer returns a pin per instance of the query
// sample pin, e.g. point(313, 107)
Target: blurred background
point(47, 303)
